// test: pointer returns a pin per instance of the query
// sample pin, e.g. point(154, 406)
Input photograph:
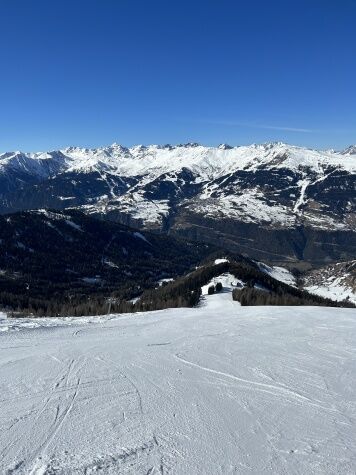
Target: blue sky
point(94, 72)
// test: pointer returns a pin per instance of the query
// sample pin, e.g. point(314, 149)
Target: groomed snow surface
point(217, 389)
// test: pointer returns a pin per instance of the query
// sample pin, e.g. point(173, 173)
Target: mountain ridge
point(228, 196)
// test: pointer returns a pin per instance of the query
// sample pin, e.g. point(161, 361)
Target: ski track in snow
point(218, 389)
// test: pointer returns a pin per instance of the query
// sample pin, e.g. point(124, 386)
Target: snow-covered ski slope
point(217, 389)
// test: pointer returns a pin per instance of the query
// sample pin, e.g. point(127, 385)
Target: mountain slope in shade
point(62, 256)
point(68, 263)
point(275, 202)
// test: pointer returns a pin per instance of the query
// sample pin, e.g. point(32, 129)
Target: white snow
point(335, 281)
point(154, 160)
point(336, 289)
point(142, 209)
point(248, 206)
point(279, 273)
point(206, 164)
point(301, 200)
point(221, 261)
point(111, 264)
point(228, 282)
point(163, 281)
point(218, 389)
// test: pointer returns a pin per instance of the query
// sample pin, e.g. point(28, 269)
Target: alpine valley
point(277, 203)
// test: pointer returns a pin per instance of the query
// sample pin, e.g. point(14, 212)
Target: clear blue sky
point(93, 72)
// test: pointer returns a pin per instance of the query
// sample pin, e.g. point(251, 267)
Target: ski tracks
point(110, 362)
point(157, 449)
point(257, 386)
point(55, 411)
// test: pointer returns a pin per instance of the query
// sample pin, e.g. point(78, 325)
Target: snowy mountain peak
point(270, 145)
point(225, 146)
point(275, 185)
point(189, 145)
point(115, 147)
point(155, 160)
point(351, 150)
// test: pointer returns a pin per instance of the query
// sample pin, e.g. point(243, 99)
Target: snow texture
point(336, 281)
point(334, 289)
point(279, 273)
point(221, 261)
point(207, 162)
point(217, 389)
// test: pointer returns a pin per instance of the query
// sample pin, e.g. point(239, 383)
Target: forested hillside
point(57, 262)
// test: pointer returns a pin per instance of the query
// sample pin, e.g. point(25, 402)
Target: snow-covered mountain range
point(273, 201)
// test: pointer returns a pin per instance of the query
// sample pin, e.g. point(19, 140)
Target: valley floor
point(216, 389)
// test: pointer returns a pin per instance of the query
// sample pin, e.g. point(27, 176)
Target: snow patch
point(73, 225)
point(228, 281)
point(278, 273)
point(160, 282)
point(335, 290)
point(141, 236)
point(221, 261)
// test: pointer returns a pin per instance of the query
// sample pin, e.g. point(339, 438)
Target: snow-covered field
point(335, 289)
point(217, 389)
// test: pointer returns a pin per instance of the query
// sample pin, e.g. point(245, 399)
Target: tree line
point(185, 291)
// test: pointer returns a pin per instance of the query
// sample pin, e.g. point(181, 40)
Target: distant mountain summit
point(273, 201)
point(121, 160)
point(351, 150)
